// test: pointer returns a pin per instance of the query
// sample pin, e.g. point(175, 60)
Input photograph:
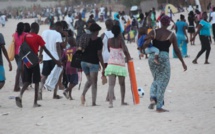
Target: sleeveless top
point(116, 57)
point(162, 45)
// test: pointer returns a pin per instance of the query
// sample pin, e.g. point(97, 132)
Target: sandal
point(18, 102)
point(57, 97)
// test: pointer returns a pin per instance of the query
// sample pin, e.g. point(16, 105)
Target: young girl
point(116, 64)
point(71, 73)
point(150, 49)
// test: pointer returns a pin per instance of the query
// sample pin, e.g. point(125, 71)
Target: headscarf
point(165, 20)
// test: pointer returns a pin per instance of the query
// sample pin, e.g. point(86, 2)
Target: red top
point(34, 41)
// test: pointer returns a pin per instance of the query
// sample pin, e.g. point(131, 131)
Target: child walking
point(151, 48)
point(71, 73)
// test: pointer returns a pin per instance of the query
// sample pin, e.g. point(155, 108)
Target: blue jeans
point(152, 49)
point(89, 67)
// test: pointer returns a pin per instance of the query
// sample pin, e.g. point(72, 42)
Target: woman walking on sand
point(92, 56)
point(18, 40)
point(182, 38)
point(116, 64)
point(191, 27)
point(204, 28)
point(162, 39)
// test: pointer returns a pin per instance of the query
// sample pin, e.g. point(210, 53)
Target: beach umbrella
point(173, 8)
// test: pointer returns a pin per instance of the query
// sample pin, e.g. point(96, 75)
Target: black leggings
point(206, 46)
point(213, 29)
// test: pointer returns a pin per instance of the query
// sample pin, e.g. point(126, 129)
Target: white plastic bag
point(53, 78)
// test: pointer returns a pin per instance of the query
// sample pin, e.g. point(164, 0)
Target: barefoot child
point(71, 73)
point(150, 49)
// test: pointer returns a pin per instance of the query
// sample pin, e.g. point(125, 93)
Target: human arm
point(184, 30)
point(177, 51)
point(125, 50)
point(102, 36)
point(6, 56)
point(199, 27)
point(50, 55)
point(40, 54)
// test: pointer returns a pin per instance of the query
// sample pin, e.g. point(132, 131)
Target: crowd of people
point(107, 52)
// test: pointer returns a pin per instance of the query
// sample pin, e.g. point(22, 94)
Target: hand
point(59, 64)
point(192, 39)
point(184, 66)
point(40, 58)
point(10, 66)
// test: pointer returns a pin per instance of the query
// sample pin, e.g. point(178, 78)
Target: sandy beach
point(189, 97)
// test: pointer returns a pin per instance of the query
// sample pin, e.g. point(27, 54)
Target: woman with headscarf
point(162, 39)
point(182, 37)
point(18, 36)
point(117, 22)
point(203, 30)
point(92, 56)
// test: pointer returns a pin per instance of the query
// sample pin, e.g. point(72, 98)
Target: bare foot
point(82, 100)
point(162, 110)
point(194, 62)
point(94, 104)
point(110, 105)
point(70, 97)
point(124, 104)
point(37, 105)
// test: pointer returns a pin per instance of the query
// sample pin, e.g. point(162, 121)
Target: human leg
point(19, 98)
point(94, 77)
point(122, 89)
point(18, 73)
point(112, 81)
point(161, 75)
point(2, 84)
point(208, 49)
point(203, 48)
point(73, 81)
point(87, 85)
point(213, 29)
point(47, 68)
point(36, 95)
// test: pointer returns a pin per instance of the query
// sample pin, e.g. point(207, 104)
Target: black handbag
point(76, 59)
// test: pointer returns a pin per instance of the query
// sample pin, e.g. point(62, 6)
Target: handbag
point(29, 58)
point(76, 59)
point(11, 50)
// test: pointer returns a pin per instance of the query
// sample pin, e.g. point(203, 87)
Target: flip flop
point(66, 95)
point(18, 102)
point(57, 97)
point(151, 106)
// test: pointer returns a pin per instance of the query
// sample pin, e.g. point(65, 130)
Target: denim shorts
point(89, 67)
point(72, 78)
point(2, 74)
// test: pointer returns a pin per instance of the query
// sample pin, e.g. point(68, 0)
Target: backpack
point(29, 58)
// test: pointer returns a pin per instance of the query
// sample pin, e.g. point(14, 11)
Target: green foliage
point(129, 3)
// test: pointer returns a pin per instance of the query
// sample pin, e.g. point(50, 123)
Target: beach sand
point(189, 97)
